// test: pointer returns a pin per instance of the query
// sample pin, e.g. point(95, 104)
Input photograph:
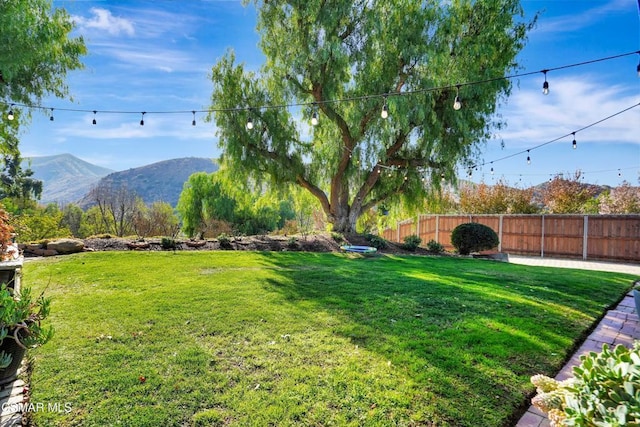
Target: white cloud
point(572, 104)
point(579, 21)
point(103, 20)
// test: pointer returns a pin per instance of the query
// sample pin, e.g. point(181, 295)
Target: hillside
point(161, 181)
point(65, 178)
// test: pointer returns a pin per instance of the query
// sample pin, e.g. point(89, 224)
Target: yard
point(272, 338)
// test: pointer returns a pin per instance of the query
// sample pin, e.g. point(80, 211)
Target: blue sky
point(156, 56)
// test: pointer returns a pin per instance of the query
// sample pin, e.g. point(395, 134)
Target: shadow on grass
point(469, 333)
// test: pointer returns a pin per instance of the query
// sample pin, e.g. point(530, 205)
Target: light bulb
point(10, 115)
point(574, 144)
point(249, 123)
point(442, 177)
point(457, 104)
point(385, 110)
point(94, 117)
point(545, 85)
point(193, 123)
point(638, 69)
point(528, 160)
point(142, 119)
point(314, 119)
point(51, 116)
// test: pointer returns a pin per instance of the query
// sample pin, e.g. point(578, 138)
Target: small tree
point(473, 237)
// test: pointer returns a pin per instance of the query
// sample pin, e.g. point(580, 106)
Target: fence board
point(601, 237)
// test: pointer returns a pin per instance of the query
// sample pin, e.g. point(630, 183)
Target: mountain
point(161, 181)
point(65, 178)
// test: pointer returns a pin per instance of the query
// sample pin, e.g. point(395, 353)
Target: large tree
point(36, 53)
point(346, 60)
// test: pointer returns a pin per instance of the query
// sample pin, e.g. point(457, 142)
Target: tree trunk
point(345, 221)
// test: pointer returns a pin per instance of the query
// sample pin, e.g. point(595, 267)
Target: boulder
point(66, 246)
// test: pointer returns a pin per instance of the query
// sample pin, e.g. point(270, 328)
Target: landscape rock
point(66, 246)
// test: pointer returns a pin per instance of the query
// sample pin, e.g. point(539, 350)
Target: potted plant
point(21, 328)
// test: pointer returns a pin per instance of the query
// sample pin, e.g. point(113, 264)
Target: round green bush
point(473, 237)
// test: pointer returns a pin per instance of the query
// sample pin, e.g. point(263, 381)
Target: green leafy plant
point(605, 390)
point(337, 237)
point(411, 243)
point(21, 319)
point(376, 241)
point(168, 243)
point(473, 237)
point(435, 247)
point(292, 243)
point(225, 241)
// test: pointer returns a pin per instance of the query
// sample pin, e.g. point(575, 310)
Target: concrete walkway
point(619, 326)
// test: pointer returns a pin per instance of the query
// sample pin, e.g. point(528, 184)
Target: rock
point(44, 252)
point(66, 246)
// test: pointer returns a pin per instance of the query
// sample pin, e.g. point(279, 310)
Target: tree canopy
point(36, 53)
point(343, 62)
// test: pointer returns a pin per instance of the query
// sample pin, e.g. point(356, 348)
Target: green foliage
point(159, 219)
point(434, 247)
point(21, 318)
point(40, 223)
point(411, 243)
point(376, 241)
point(168, 243)
point(224, 241)
point(290, 338)
point(292, 243)
point(605, 390)
point(473, 237)
point(337, 237)
point(319, 52)
point(36, 54)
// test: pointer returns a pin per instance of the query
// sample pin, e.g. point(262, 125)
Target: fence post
point(542, 240)
point(438, 229)
point(418, 226)
point(500, 234)
point(398, 231)
point(585, 237)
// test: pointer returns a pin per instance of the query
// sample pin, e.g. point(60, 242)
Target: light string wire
point(330, 101)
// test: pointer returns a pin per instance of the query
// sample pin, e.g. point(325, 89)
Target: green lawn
point(241, 338)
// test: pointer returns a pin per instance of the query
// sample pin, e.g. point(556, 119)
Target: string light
point(314, 119)
point(193, 123)
point(142, 119)
point(385, 109)
point(638, 67)
point(249, 124)
point(94, 117)
point(51, 115)
point(545, 85)
point(10, 115)
point(574, 143)
point(456, 103)
point(442, 177)
point(528, 158)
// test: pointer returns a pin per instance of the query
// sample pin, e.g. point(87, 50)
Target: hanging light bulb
point(638, 67)
point(545, 85)
point(385, 109)
point(528, 158)
point(10, 115)
point(442, 177)
point(619, 173)
point(491, 170)
point(193, 123)
point(249, 123)
point(94, 117)
point(314, 119)
point(574, 144)
point(379, 170)
point(142, 118)
point(51, 115)
point(457, 104)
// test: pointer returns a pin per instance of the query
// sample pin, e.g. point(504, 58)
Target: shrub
point(435, 247)
point(411, 243)
point(225, 241)
point(167, 243)
point(292, 243)
point(337, 237)
point(473, 237)
point(376, 241)
point(605, 390)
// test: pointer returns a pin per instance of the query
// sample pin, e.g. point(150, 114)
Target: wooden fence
point(589, 237)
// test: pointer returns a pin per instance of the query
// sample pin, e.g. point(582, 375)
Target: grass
point(241, 338)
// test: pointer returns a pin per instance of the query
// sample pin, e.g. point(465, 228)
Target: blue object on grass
point(358, 249)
